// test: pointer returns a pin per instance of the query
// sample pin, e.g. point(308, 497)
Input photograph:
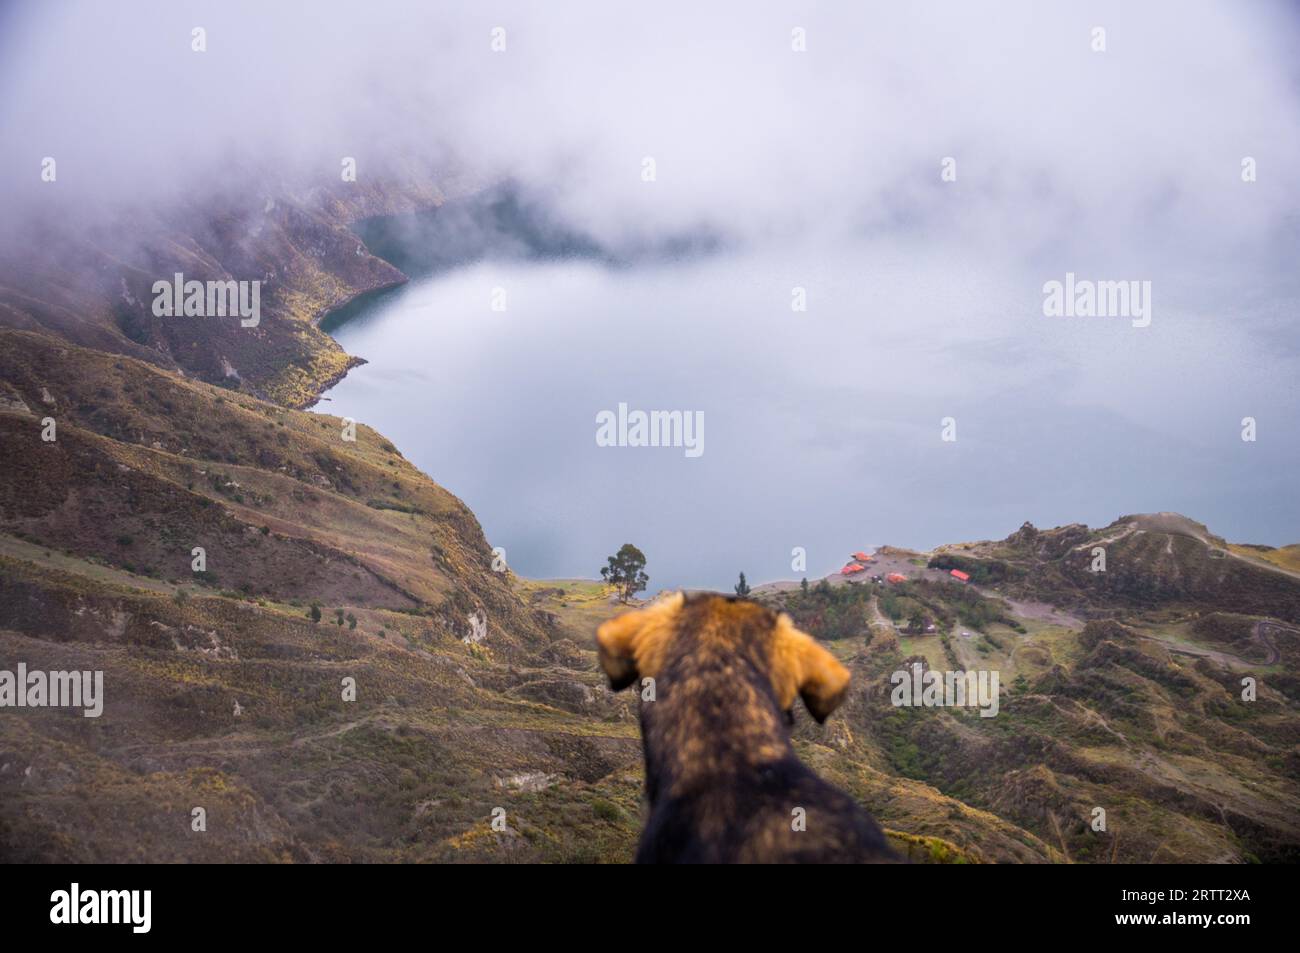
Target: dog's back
point(780, 813)
point(722, 778)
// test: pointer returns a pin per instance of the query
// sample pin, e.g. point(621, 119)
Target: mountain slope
point(221, 692)
point(1152, 561)
point(329, 559)
point(93, 285)
point(1147, 719)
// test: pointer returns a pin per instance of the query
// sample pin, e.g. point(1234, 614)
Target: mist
point(1058, 149)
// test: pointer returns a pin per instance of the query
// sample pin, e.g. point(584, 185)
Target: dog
point(722, 779)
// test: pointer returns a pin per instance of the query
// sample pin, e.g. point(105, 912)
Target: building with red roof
point(958, 574)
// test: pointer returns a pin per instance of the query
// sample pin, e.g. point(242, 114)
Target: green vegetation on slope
point(475, 690)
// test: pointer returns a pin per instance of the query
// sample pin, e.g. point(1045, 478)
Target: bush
point(606, 810)
point(981, 571)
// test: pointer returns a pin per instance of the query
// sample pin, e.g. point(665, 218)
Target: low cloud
point(1131, 151)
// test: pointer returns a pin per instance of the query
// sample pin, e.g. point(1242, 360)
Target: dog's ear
point(632, 644)
point(801, 666)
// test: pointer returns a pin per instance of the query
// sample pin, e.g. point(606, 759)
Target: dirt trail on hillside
point(1040, 612)
point(879, 618)
point(1173, 524)
point(1263, 633)
point(1223, 658)
point(1128, 530)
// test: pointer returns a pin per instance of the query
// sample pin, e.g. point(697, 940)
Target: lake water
point(823, 429)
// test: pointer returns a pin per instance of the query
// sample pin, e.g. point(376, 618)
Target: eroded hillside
point(94, 285)
point(331, 563)
point(222, 692)
point(1147, 719)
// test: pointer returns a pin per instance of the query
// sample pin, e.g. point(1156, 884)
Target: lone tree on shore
point(742, 587)
point(626, 571)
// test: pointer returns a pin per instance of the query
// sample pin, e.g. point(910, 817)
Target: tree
point(352, 621)
point(338, 616)
point(315, 612)
point(625, 571)
point(742, 587)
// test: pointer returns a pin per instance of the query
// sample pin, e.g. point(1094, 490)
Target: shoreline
point(355, 298)
point(353, 361)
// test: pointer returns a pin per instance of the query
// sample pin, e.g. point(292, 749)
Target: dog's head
point(638, 644)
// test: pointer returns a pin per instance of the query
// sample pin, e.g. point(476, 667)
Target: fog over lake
point(921, 170)
point(822, 428)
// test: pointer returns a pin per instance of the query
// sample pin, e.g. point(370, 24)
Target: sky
point(1137, 147)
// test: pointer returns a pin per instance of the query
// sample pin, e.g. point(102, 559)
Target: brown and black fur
point(722, 777)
